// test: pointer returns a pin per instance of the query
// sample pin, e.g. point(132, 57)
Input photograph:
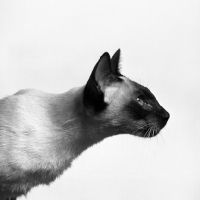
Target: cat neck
point(69, 116)
point(79, 129)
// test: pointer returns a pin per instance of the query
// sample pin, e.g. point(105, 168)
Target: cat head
point(119, 104)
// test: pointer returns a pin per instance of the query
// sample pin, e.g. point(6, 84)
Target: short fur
point(41, 133)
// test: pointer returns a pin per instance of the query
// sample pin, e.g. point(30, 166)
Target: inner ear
point(103, 74)
point(115, 63)
point(93, 96)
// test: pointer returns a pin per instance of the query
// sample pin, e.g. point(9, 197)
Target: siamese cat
point(41, 133)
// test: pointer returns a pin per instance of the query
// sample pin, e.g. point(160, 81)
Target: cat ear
point(100, 78)
point(115, 63)
point(102, 70)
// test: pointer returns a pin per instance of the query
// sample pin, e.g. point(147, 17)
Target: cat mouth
point(151, 129)
point(147, 131)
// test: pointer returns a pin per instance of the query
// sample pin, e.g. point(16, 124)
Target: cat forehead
point(127, 89)
point(138, 89)
point(144, 91)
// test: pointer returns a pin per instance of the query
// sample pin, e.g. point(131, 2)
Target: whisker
point(153, 134)
point(140, 128)
point(149, 125)
point(147, 133)
point(162, 138)
point(150, 133)
point(115, 132)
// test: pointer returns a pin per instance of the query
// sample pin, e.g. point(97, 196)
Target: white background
point(54, 45)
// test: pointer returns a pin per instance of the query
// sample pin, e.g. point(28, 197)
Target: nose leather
point(165, 114)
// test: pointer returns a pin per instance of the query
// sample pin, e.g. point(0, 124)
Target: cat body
point(41, 133)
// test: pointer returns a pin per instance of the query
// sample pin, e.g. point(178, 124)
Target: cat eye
point(142, 102)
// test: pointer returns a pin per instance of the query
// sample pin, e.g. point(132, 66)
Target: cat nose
point(165, 115)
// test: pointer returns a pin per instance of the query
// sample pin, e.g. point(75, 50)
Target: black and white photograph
point(99, 100)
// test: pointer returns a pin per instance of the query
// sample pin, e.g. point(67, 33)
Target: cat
point(42, 133)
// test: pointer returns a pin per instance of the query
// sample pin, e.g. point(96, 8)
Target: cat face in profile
point(118, 102)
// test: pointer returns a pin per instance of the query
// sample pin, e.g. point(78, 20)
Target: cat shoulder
point(29, 91)
point(22, 104)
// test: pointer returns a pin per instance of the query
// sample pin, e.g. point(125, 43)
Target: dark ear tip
point(117, 54)
point(106, 55)
point(119, 51)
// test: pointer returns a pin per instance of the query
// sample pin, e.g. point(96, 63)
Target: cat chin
point(150, 134)
point(147, 132)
